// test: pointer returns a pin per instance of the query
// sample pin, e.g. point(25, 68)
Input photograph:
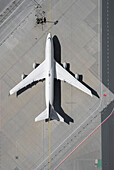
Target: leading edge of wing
point(64, 75)
point(37, 74)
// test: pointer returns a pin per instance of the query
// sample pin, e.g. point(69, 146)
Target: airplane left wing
point(64, 75)
point(37, 74)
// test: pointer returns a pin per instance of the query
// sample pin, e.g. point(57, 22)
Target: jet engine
point(77, 76)
point(35, 65)
point(65, 65)
point(23, 76)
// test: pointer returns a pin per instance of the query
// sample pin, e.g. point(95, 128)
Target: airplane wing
point(64, 75)
point(37, 74)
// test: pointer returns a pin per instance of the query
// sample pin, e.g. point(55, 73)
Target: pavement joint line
point(16, 27)
point(23, 20)
point(85, 139)
point(12, 142)
point(69, 136)
point(98, 36)
point(24, 108)
point(12, 13)
point(85, 63)
point(27, 51)
point(36, 41)
point(68, 142)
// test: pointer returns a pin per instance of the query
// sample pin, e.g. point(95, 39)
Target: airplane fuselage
point(48, 70)
point(49, 85)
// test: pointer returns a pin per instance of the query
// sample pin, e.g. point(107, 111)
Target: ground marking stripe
point(85, 139)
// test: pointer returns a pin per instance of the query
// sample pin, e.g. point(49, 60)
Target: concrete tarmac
point(4, 4)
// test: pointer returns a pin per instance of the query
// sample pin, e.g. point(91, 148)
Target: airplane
point(48, 70)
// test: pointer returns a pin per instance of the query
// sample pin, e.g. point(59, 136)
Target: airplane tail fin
point(55, 116)
point(51, 114)
point(42, 116)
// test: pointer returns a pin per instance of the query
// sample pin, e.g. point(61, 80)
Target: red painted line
point(84, 140)
point(105, 95)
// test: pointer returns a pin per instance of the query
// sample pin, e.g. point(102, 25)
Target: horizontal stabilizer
point(42, 116)
point(60, 118)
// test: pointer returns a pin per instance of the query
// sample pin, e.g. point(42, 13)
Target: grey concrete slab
point(92, 19)
point(84, 157)
point(3, 4)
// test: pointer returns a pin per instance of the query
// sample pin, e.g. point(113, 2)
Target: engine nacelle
point(65, 65)
point(35, 65)
point(23, 76)
point(77, 76)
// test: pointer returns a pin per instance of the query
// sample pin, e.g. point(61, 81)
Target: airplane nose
point(49, 36)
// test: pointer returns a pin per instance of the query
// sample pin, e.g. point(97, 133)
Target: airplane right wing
point(64, 75)
point(37, 74)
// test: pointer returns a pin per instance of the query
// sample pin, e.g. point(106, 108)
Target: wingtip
point(35, 120)
point(90, 93)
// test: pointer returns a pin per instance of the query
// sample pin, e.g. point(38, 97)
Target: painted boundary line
point(6, 14)
point(11, 32)
point(68, 138)
point(23, 20)
point(9, 4)
point(85, 140)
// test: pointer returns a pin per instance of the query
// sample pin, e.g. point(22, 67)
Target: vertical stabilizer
point(55, 116)
point(49, 113)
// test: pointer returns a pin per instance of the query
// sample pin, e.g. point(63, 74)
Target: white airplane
point(48, 70)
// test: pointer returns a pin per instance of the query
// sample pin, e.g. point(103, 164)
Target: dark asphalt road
point(108, 81)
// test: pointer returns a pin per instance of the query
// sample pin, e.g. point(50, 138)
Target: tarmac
point(4, 4)
point(77, 40)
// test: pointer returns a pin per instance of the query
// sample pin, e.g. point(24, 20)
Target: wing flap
point(37, 74)
point(64, 75)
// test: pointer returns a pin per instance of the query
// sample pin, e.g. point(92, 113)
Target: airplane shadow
point(57, 83)
point(92, 90)
point(81, 80)
point(28, 87)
